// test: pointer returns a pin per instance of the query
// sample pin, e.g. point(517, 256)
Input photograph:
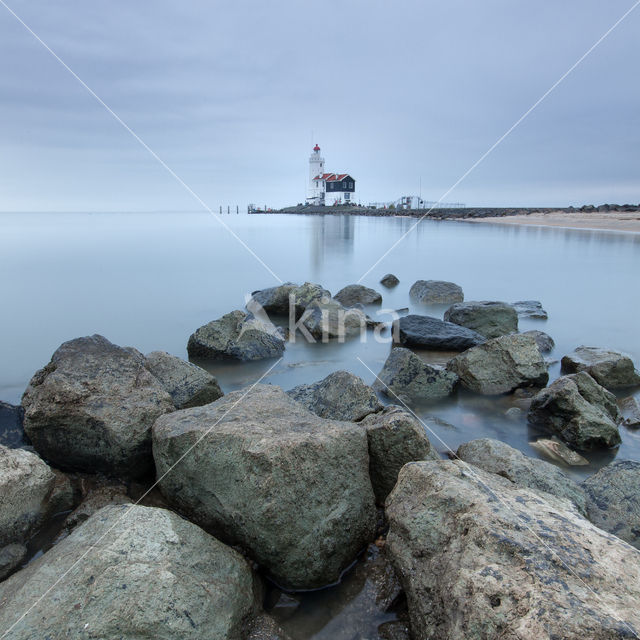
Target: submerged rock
point(149, 574)
point(558, 452)
point(501, 365)
point(544, 341)
point(499, 458)
point(530, 309)
point(327, 318)
point(481, 558)
point(11, 429)
point(579, 411)
point(92, 407)
point(187, 384)
point(340, 396)
point(236, 336)
point(489, 319)
point(630, 409)
point(436, 292)
point(354, 294)
point(406, 378)
point(611, 369)
point(425, 332)
point(389, 281)
point(395, 438)
point(614, 500)
point(290, 487)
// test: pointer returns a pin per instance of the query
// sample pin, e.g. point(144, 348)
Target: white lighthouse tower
point(316, 177)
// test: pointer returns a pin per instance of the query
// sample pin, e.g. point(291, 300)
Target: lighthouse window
point(351, 185)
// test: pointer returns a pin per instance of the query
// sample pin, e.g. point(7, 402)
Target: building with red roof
point(328, 188)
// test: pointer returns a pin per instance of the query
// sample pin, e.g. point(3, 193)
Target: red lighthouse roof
point(316, 148)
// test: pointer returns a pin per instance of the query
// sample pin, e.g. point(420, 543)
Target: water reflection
point(331, 237)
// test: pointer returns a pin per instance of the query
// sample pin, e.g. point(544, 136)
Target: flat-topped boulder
point(354, 294)
point(501, 365)
point(611, 369)
point(327, 318)
point(339, 396)
point(499, 458)
point(395, 438)
point(149, 574)
point(290, 487)
point(389, 281)
point(614, 500)
point(479, 557)
point(92, 408)
point(578, 410)
point(489, 319)
point(407, 378)
point(236, 336)
point(426, 332)
point(530, 309)
point(187, 384)
point(436, 292)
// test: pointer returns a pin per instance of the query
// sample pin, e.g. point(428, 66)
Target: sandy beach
point(611, 220)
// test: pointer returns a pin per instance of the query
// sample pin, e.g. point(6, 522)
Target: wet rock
point(425, 332)
point(513, 413)
point(92, 407)
point(150, 574)
point(395, 438)
point(436, 292)
point(530, 309)
point(499, 458)
point(611, 369)
point(389, 281)
point(501, 365)
point(614, 500)
point(340, 396)
point(290, 487)
point(11, 557)
point(579, 411)
point(264, 627)
point(481, 558)
point(327, 318)
point(11, 429)
point(489, 319)
point(394, 630)
point(559, 452)
point(275, 300)
point(544, 341)
point(187, 384)
point(406, 378)
point(31, 492)
point(354, 294)
point(630, 410)
point(307, 293)
point(236, 336)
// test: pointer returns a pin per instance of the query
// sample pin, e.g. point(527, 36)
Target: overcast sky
point(397, 93)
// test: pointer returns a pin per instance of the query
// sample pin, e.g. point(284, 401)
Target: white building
point(328, 188)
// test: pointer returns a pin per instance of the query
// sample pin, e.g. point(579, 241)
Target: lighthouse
point(316, 183)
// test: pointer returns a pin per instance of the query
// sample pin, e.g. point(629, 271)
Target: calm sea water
point(149, 280)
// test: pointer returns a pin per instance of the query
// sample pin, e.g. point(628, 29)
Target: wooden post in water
point(220, 209)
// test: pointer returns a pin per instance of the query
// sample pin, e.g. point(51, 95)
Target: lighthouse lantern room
point(328, 188)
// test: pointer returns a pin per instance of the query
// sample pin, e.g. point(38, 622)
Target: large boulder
point(11, 429)
point(436, 292)
point(501, 365)
point(489, 319)
point(340, 396)
point(530, 309)
point(395, 438)
point(275, 300)
point(407, 378)
point(481, 558)
point(290, 487)
point(499, 458)
point(92, 407)
point(137, 572)
point(389, 281)
point(543, 340)
point(611, 369)
point(31, 492)
point(327, 318)
point(236, 336)
point(614, 500)
point(425, 332)
point(187, 384)
point(354, 294)
point(578, 410)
